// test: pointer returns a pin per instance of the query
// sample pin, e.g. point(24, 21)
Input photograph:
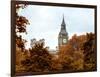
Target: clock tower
point(63, 35)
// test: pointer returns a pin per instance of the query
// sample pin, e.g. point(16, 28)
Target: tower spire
point(63, 25)
point(63, 21)
point(63, 35)
point(63, 18)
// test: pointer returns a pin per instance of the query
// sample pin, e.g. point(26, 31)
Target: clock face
point(64, 40)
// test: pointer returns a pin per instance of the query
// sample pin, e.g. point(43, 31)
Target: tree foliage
point(21, 23)
point(79, 54)
point(39, 60)
point(89, 47)
point(80, 57)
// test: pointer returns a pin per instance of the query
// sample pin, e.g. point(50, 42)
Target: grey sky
point(45, 22)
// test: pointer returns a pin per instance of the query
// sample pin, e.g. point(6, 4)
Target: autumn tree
point(39, 60)
point(21, 23)
point(65, 56)
point(89, 48)
point(20, 27)
point(77, 41)
point(71, 55)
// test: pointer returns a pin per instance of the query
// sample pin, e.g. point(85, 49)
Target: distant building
point(52, 51)
point(54, 54)
point(63, 35)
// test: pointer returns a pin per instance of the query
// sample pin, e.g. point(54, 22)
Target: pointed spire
point(63, 21)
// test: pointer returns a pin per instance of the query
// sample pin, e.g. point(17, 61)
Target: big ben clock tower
point(63, 35)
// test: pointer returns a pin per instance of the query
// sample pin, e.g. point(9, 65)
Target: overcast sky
point(45, 22)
